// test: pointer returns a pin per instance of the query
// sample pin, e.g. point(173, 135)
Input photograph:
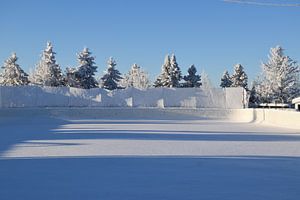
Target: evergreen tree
point(226, 80)
point(254, 98)
point(192, 80)
point(206, 82)
point(12, 74)
point(163, 79)
point(239, 77)
point(72, 78)
point(136, 78)
point(280, 77)
point(170, 74)
point(174, 73)
point(84, 75)
point(262, 90)
point(47, 72)
point(112, 76)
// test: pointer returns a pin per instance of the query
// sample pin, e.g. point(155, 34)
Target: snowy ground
point(48, 158)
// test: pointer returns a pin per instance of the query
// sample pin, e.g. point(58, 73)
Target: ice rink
point(52, 158)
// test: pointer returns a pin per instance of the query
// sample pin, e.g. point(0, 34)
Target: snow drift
point(35, 96)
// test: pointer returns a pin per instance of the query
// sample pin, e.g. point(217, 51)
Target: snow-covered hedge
point(34, 96)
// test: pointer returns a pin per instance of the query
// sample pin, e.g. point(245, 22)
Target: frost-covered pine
point(136, 78)
point(262, 90)
point(254, 97)
point(85, 72)
point(12, 74)
point(226, 80)
point(206, 82)
point(72, 79)
point(192, 79)
point(163, 79)
point(47, 72)
point(280, 77)
point(239, 77)
point(112, 76)
point(170, 73)
point(174, 72)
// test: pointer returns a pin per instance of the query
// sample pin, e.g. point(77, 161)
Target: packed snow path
point(47, 158)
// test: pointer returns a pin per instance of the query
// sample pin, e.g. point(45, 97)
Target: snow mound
point(34, 96)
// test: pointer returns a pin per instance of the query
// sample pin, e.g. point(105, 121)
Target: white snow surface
point(146, 158)
point(157, 138)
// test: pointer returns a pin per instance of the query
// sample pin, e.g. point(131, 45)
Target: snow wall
point(35, 96)
point(287, 118)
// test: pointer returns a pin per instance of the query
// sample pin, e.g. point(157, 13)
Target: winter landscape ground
point(150, 100)
point(152, 157)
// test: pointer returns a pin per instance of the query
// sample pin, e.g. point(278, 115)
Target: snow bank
point(118, 113)
point(281, 118)
point(34, 96)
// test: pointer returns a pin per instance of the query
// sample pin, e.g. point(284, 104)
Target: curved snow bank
point(117, 113)
point(283, 118)
point(289, 119)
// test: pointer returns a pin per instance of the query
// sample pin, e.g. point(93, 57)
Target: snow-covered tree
point(280, 77)
point(72, 78)
point(254, 98)
point(47, 72)
point(239, 77)
point(206, 82)
point(12, 74)
point(83, 75)
point(170, 74)
point(192, 79)
point(226, 80)
point(136, 78)
point(163, 79)
point(262, 90)
point(174, 73)
point(112, 76)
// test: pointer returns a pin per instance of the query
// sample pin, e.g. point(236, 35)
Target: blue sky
point(211, 34)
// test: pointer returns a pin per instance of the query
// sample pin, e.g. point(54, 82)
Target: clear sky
point(212, 34)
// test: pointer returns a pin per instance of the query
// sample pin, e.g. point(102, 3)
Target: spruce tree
point(254, 98)
point(174, 73)
point(136, 78)
point(206, 82)
point(47, 72)
point(12, 74)
point(112, 77)
point(170, 74)
point(72, 78)
point(280, 77)
point(239, 77)
point(163, 79)
point(86, 70)
point(226, 80)
point(192, 79)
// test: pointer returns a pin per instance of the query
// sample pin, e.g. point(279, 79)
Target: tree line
point(278, 81)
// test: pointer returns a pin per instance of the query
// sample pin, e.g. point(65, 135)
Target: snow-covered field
point(126, 158)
